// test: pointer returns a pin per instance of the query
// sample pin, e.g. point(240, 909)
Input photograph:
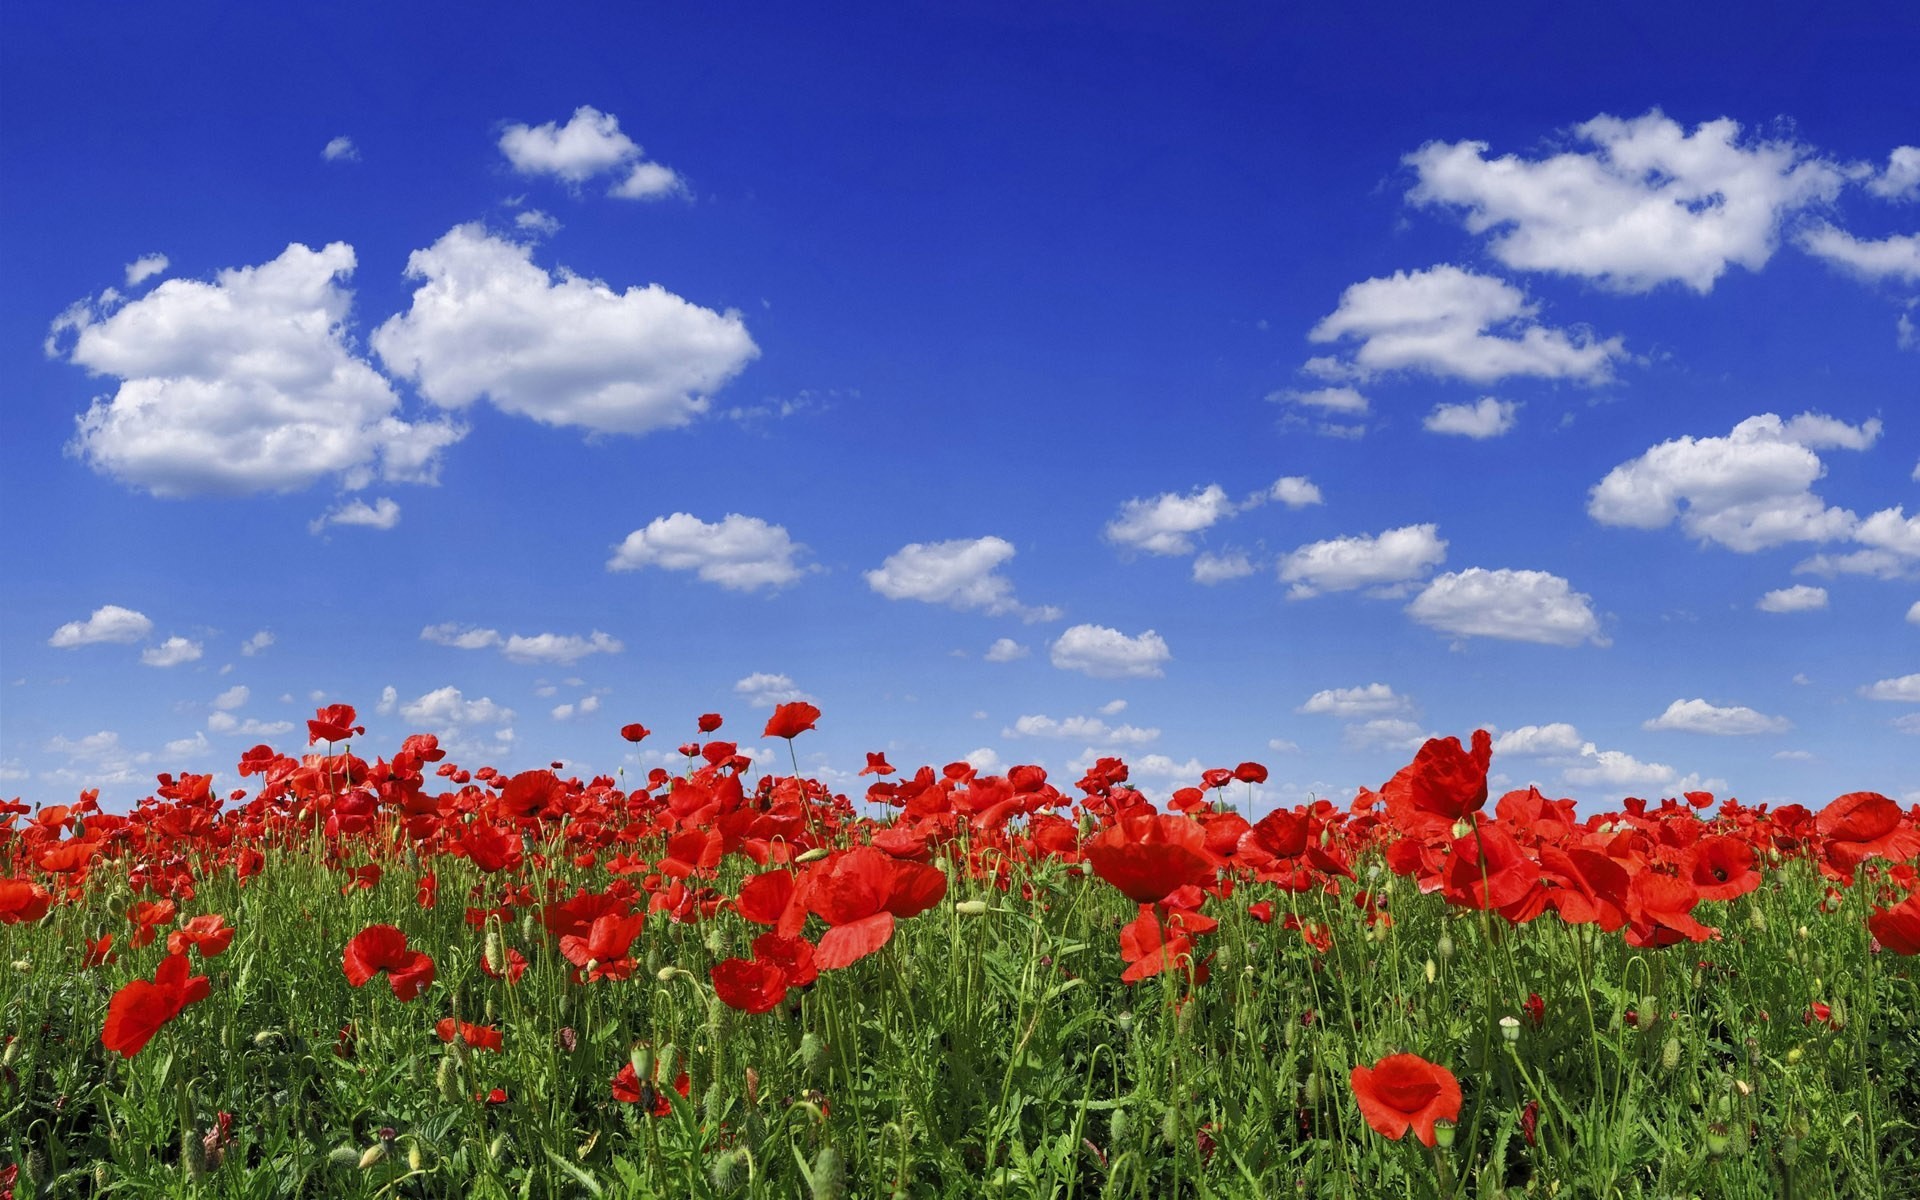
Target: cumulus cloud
point(1798, 598)
point(737, 552)
point(1539, 741)
point(764, 690)
point(1295, 491)
point(1747, 491)
point(1449, 322)
point(460, 637)
point(1698, 716)
point(555, 648)
point(537, 223)
point(1163, 524)
point(960, 574)
point(1648, 203)
point(1396, 556)
point(1896, 257)
point(1369, 700)
point(1520, 606)
point(1113, 708)
point(1913, 614)
point(171, 653)
point(1344, 401)
point(583, 707)
point(1105, 653)
point(144, 268)
point(447, 708)
point(1900, 178)
point(1006, 650)
point(1484, 418)
point(233, 697)
point(109, 623)
point(1087, 729)
point(589, 144)
point(1209, 568)
point(565, 350)
point(1384, 733)
point(243, 385)
point(257, 643)
point(1905, 689)
point(381, 514)
point(1617, 769)
point(226, 724)
point(340, 149)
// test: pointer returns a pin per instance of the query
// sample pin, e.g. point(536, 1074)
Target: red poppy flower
point(480, 1037)
point(139, 1009)
point(1149, 856)
point(877, 764)
point(334, 723)
point(791, 720)
point(1721, 867)
point(209, 934)
point(634, 732)
point(1898, 928)
point(1250, 772)
point(748, 985)
point(516, 967)
point(1863, 825)
point(1405, 1091)
point(628, 1088)
point(1444, 781)
point(380, 948)
point(861, 895)
point(602, 953)
point(22, 901)
point(709, 722)
point(1660, 911)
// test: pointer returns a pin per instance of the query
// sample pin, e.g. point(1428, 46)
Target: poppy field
point(392, 976)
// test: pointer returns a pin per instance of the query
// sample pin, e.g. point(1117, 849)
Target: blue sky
point(1019, 386)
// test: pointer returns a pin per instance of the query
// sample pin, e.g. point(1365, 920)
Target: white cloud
point(144, 268)
point(1283, 746)
point(246, 384)
point(1900, 179)
point(1521, 606)
point(1342, 564)
point(92, 746)
point(1793, 755)
point(959, 574)
point(383, 513)
point(537, 223)
point(1159, 766)
point(447, 708)
point(562, 349)
point(1161, 524)
point(1210, 568)
point(1698, 716)
point(1449, 322)
point(233, 697)
point(763, 690)
point(1891, 530)
point(1913, 614)
point(1105, 653)
point(1880, 564)
point(1896, 257)
point(1113, 708)
point(1539, 741)
point(460, 637)
point(340, 149)
point(1747, 491)
point(1484, 418)
point(1908, 724)
point(109, 623)
point(737, 552)
point(1798, 598)
point(1905, 689)
point(389, 701)
point(226, 723)
point(586, 705)
point(1006, 650)
point(171, 653)
point(1369, 700)
point(1648, 204)
point(589, 144)
point(984, 761)
point(1343, 401)
point(187, 747)
point(255, 644)
point(1617, 769)
point(1087, 729)
point(559, 648)
point(1384, 733)
point(1907, 337)
point(1295, 491)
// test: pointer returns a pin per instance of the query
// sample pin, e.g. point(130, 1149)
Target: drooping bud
point(1116, 1131)
point(1432, 971)
point(810, 856)
point(829, 1175)
point(193, 1154)
point(725, 1171)
point(1443, 949)
point(446, 1079)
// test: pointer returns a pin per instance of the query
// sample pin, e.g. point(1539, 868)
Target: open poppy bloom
point(1898, 928)
point(792, 719)
point(861, 895)
point(1149, 856)
point(602, 952)
point(334, 723)
point(629, 1088)
point(209, 934)
point(480, 1037)
point(140, 1008)
point(634, 732)
point(380, 948)
point(1405, 1091)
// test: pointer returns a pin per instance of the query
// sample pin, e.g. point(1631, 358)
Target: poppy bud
point(266, 1039)
point(529, 928)
point(814, 855)
point(446, 1079)
point(725, 1171)
point(1794, 1056)
point(416, 1157)
point(497, 1148)
point(1670, 1054)
point(829, 1175)
point(494, 952)
point(373, 1156)
point(11, 1053)
point(1758, 920)
point(193, 1154)
point(1170, 1126)
point(33, 1168)
point(970, 908)
point(812, 1052)
point(1314, 1088)
point(1801, 933)
point(1443, 949)
point(344, 1156)
point(1116, 1130)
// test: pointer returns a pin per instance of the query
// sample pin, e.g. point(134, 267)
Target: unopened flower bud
point(1116, 1131)
point(1432, 971)
point(1670, 1054)
point(1443, 949)
point(497, 1148)
point(725, 1171)
point(813, 1051)
point(266, 1039)
point(1794, 1056)
point(829, 1175)
point(970, 908)
point(495, 950)
point(373, 1156)
point(344, 1156)
point(813, 855)
point(1802, 933)
point(446, 1080)
point(33, 1168)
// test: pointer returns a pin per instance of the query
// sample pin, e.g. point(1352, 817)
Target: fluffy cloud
point(1341, 564)
point(1384, 733)
point(1484, 418)
point(763, 690)
point(1896, 257)
point(226, 723)
point(556, 648)
point(1087, 729)
point(171, 653)
point(1105, 653)
point(340, 149)
point(109, 623)
point(1798, 598)
point(1449, 322)
point(1295, 491)
point(381, 514)
point(242, 385)
point(447, 708)
point(257, 643)
point(959, 574)
point(741, 553)
point(585, 706)
point(1370, 700)
point(1747, 491)
point(1006, 650)
point(562, 349)
point(1900, 179)
point(1343, 401)
point(1211, 568)
point(1539, 741)
point(1520, 606)
point(1698, 716)
point(1617, 769)
point(537, 223)
point(144, 268)
point(233, 697)
point(1648, 204)
point(1162, 524)
point(1913, 614)
point(589, 144)
point(1905, 689)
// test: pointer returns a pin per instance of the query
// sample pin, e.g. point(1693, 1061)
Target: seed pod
point(344, 1156)
point(641, 1057)
point(1443, 1133)
point(33, 1168)
point(829, 1175)
point(1432, 971)
point(1717, 1139)
point(497, 1148)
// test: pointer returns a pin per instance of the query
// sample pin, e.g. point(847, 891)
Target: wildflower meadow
point(391, 976)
